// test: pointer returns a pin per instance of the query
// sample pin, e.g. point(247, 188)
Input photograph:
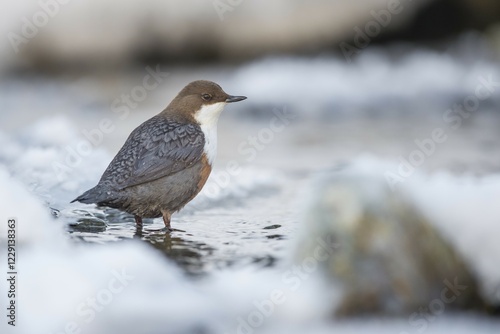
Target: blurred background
point(402, 94)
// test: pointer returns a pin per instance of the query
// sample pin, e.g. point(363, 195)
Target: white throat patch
point(208, 116)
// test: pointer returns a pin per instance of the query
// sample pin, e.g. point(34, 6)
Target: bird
point(165, 161)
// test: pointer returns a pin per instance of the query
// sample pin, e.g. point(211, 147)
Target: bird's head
point(202, 100)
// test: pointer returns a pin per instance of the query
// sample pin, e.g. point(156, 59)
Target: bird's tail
point(93, 195)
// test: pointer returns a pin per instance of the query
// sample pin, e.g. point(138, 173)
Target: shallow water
point(250, 232)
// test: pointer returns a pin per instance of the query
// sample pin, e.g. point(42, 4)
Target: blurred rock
point(389, 259)
point(109, 33)
point(439, 19)
point(50, 34)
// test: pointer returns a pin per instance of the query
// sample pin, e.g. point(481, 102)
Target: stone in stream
point(388, 258)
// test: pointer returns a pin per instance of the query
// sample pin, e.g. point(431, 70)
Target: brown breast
point(204, 173)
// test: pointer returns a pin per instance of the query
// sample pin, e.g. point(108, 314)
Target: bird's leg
point(138, 222)
point(166, 219)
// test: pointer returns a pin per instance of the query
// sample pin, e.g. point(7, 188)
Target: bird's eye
point(206, 97)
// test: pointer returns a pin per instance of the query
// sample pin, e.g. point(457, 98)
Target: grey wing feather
point(157, 148)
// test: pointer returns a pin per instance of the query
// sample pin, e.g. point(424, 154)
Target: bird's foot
point(138, 225)
point(166, 220)
point(138, 222)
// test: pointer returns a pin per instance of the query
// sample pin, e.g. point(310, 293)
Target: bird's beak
point(231, 98)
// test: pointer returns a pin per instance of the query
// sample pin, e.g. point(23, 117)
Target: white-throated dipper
point(166, 160)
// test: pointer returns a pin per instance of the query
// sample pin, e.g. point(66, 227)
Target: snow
point(373, 78)
point(59, 277)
